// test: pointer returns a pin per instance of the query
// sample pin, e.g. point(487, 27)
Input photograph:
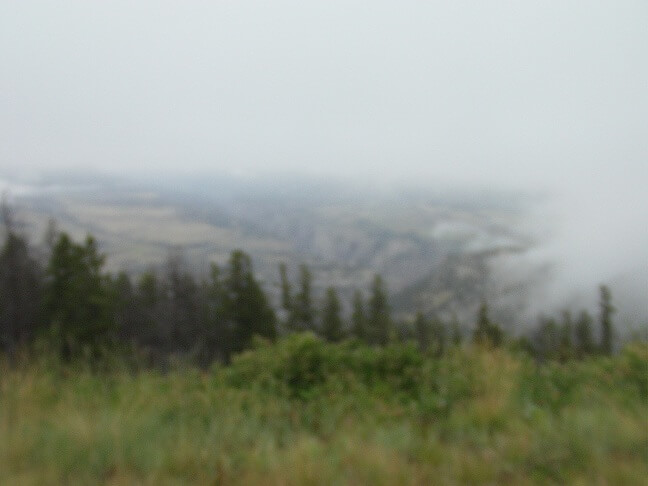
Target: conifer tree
point(287, 304)
point(331, 320)
point(486, 331)
point(217, 336)
point(148, 288)
point(358, 317)
point(548, 337)
point(153, 332)
point(566, 332)
point(76, 299)
point(455, 331)
point(606, 310)
point(483, 323)
point(583, 334)
point(286, 297)
point(303, 311)
point(246, 306)
point(20, 287)
point(379, 319)
point(438, 331)
point(147, 303)
point(181, 318)
point(422, 331)
point(123, 305)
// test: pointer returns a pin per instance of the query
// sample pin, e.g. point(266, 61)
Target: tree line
point(62, 295)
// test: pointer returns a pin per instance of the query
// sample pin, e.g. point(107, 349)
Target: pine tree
point(124, 305)
point(422, 331)
point(76, 299)
point(455, 331)
point(149, 300)
point(286, 297)
point(606, 311)
point(358, 317)
point(217, 337)
point(20, 287)
point(583, 334)
point(287, 304)
point(486, 331)
point(181, 318)
point(148, 289)
point(548, 337)
point(246, 308)
point(483, 323)
point(566, 332)
point(331, 320)
point(303, 312)
point(379, 319)
point(438, 331)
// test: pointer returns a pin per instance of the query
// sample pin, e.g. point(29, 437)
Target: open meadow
point(303, 411)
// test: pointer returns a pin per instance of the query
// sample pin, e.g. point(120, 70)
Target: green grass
point(305, 412)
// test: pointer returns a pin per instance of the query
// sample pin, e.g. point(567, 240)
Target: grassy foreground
point(305, 412)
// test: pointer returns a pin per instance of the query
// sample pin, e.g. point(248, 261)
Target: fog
point(538, 96)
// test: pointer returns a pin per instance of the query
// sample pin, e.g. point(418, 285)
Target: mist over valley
point(441, 250)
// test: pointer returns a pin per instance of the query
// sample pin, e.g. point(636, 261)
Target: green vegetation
point(62, 295)
point(331, 319)
point(303, 411)
point(167, 378)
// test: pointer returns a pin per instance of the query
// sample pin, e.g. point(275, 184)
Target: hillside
point(305, 412)
point(432, 248)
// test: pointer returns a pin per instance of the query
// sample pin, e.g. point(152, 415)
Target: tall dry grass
point(306, 412)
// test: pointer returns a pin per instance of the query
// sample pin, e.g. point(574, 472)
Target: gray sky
point(534, 94)
point(526, 93)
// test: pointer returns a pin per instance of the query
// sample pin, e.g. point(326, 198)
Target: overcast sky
point(472, 91)
point(531, 94)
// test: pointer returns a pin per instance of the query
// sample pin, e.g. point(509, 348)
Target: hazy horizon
point(547, 97)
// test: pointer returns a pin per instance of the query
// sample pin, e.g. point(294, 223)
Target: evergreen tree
point(486, 331)
point(331, 320)
point(20, 288)
point(122, 296)
point(455, 330)
point(358, 317)
point(548, 339)
point(286, 296)
point(422, 331)
point(379, 319)
point(181, 318)
point(287, 303)
point(438, 331)
point(303, 317)
point(149, 308)
point(246, 306)
point(76, 299)
point(606, 311)
point(483, 323)
point(217, 337)
point(148, 289)
point(565, 350)
point(583, 334)
point(404, 331)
